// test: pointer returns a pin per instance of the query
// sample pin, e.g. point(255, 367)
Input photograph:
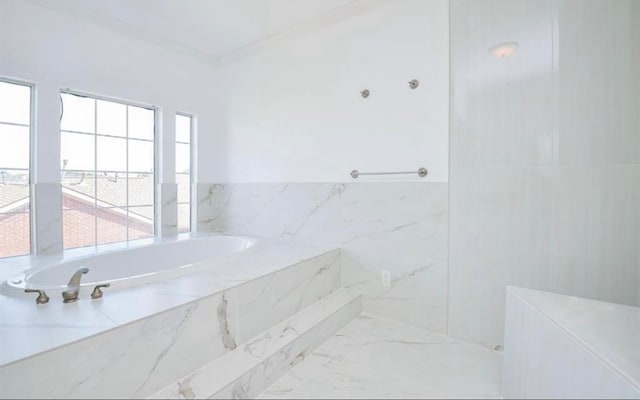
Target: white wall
point(56, 51)
point(291, 110)
point(294, 125)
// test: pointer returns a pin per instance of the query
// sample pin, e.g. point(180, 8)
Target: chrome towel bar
point(422, 172)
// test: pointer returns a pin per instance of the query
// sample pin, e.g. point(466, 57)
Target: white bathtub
point(132, 266)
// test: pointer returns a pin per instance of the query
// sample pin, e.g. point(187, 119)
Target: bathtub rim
point(22, 267)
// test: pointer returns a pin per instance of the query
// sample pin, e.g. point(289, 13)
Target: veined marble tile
point(280, 362)
point(264, 302)
point(288, 211)
point(242, 373)
point(216, 376)
point(417, 294)
point(398, 227)
point(141, 357)
point(205, 197)
point(377, 358)
point(48, 209)
point(168, 208)
point(275, 339)
point(125, 305)
point(405, 219)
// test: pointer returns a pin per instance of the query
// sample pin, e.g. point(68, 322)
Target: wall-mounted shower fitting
point(365, 93)
point(414, 83)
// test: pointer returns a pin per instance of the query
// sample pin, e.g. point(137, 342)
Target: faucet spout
point(73, 287)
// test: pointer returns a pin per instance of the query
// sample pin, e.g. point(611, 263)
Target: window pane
point(183, 179)
point(79, 228)
point(184, 219)
point(112, 189)
point(183, 158)
point(140, 156)
point(15, 220)
point(15, 103)
point(78, 113)
point(183, 129)
point(14, 191)
point(141, 190)
point(112, 154)
point(15, 237)
point(141, 123)
point(77, 151)
point(112, 118)
point(140, 222)
point(14, 146)
point(105, 173)
point(78, 190)
point(112, 225)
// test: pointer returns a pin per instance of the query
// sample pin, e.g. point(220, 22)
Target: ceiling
point(209, 29)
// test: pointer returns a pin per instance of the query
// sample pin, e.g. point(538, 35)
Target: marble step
point(255, 365)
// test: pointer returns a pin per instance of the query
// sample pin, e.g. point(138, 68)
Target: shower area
point(543, 194)
point(544, 156)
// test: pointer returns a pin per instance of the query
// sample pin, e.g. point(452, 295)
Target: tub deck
point(27, 329)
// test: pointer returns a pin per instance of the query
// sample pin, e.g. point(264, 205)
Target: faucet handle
point(42, 296)
point(97, 292)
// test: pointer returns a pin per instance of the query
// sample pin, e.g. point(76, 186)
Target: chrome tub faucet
point(73, 287)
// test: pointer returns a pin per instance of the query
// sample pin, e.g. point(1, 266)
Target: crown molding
point(331, 17)
point(354, 8)
point(126, 29)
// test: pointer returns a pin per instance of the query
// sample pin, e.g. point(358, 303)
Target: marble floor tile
point(376, 358)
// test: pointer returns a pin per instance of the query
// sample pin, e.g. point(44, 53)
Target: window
point(107, 168)
point(15, 134)
point(184, 130)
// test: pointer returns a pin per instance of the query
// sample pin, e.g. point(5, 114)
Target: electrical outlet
point(385, 278)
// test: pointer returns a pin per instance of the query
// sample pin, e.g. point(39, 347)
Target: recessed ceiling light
point(504, 49)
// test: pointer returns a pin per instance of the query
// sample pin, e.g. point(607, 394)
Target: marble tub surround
point(167, 329)
point(559, 346)
point(246, 371)
point(48, 205)
point(266, 301)
point(373, 357)
point(400, 227)
point(168, 210)
point(130, 361)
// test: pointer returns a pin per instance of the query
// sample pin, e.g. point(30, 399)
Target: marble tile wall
point(398, 227)
point(545, 156)
point(48, 209)
point(167, 212)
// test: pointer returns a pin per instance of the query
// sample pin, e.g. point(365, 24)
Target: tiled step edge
point(254, 366)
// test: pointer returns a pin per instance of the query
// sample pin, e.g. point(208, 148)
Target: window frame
point(33, 237)
point(192, 124)
point(156, 120)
